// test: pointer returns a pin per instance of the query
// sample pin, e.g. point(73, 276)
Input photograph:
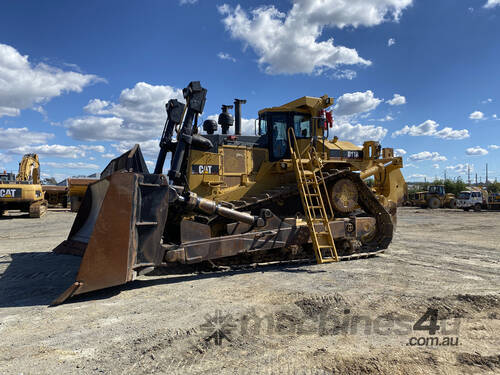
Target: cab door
point(277, 126)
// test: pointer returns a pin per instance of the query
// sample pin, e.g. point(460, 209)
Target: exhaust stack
point(237, 114)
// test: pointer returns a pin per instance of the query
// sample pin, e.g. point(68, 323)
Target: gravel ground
point(351, 317)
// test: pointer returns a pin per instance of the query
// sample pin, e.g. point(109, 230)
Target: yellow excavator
point(289, 192)
point(24, 193)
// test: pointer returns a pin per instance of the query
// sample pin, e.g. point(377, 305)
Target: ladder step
point(148, 185)
point(143, 223)
point(310, 201)
point(328, 260)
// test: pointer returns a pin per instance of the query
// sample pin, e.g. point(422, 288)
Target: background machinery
point(25, 193)
point(56, 195)
point(494, 201)
point(286, 193)
point(434, 197)
point(76, 191)
point(474, 198)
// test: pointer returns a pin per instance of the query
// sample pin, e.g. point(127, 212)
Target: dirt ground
point(351, 317)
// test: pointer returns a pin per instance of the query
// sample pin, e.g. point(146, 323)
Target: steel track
point(379, 241)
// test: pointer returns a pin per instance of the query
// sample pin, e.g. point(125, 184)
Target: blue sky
point(80, 82)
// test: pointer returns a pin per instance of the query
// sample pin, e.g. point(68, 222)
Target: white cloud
point(357, 133)
point(15, 137)
point(149, 148)
point(399, 152)
point(61, 151)
point(408, 165)
point(492, 3)
point(225, 56)
point(430, 128)
point(426, 155)
point(386, 118)
point(109, 156)
point(344, 74)
point(476, 151)
point(489, 100)
point(187, 2)
point(9, 111)
point(96, 106)
point(494, 116)
point(397, 100)
point(493, 147)
point(42, 111)
point(348, 109)
point(96, 148)
point(4, 159)
point(288, 43)
point(476, 115)
point(77, 165)
point(355, 103)
point(391, 42)
point(138, 116)
point(24, 85)
point(461, 168)
point(21, 141)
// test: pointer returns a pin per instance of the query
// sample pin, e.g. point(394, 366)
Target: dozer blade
point(118, 230)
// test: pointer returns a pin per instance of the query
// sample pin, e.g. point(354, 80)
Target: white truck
point(473, 199)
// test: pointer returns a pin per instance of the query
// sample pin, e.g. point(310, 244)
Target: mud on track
point(350, 317)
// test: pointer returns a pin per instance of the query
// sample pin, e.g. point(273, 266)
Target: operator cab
point(275, 125)
point(437, 189)
point(7, 178)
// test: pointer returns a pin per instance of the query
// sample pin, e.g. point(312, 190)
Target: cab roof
point(305, 104)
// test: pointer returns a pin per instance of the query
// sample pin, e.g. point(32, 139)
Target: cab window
point(302, 126)
point(279, 135)
point(262, 126)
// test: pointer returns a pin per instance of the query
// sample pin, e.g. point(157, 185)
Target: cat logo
point(7, 193)
point(205, 169)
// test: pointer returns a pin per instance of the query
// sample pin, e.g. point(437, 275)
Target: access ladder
point(313, 193)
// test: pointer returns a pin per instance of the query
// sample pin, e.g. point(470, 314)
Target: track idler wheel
point(344, 196)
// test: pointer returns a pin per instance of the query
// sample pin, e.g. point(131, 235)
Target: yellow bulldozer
point(25, 192)
point(286, 193)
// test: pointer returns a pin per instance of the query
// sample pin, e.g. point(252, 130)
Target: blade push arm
point(175, 111)
point(195, 96)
